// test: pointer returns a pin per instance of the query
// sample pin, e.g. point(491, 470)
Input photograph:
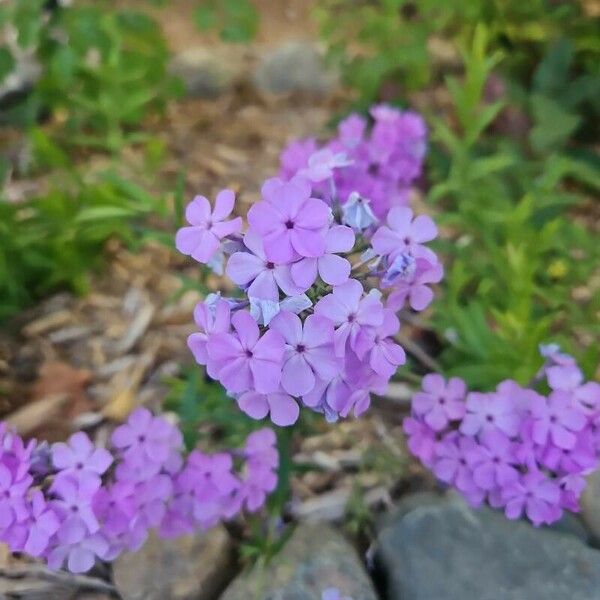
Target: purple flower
point(450, 464)
point(402, 234)
point(440, 402)
point(290, 222)
point(534, 494)
point(556, 418)
point(295, 157)
point(74, 500)
point(13, 490)
point(351, 130)
point(490, 411)
point(357, 212)
point(208, 227)
point(147, 443)
point(246, 361)
point(493, 460)
point(283, 409)
point(43, 524)
point(262, 276)
point(416, 290)
point(76, 547)
point(350, 312)
point(333, 593)
point(215, 318)
point(80, 457)
point(421, 440)
point(321, 165)
point(564, 377)
point(308, 352)
point(384, 355)
point(333, 269)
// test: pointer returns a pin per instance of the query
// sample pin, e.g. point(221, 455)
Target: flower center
point(270, 266)
point(351, 318)
point(141, 438)
point(249, 353)
point(489, 418)
point(289, 224)
point(300, 348)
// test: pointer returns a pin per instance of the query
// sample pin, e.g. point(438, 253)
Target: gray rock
point(294, 67)
point(590, 505)
point(207, 73)
point(446, 550)
point(315, 558)
point(194, 567)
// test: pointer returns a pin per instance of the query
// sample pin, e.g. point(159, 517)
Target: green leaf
point(553, 125)
point(205, 18)
point(7, 63)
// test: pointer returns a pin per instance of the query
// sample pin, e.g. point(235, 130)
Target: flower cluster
point(515, 448)
point(331, 253)
point(73, 503)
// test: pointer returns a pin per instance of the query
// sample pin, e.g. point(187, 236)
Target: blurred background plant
point(76, 78)
point(512, 171)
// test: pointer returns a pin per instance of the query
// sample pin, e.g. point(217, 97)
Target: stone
point(315, 558)
point(590, 506)
point(294, 67)
point(207, 73)
point(193, 567)
point(444, 549)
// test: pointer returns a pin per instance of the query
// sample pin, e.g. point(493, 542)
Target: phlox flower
point(210, 318)
point(490, 411)
point(352, 130)
point(405, 234)
point(308, 351)
point(244, 360)
point(376, 343)
point(357, 212)
point(281, 407)
point(207, 226)
point(556, 418)
point(322, 164)
point(13, 490)
point(534, 494)
point(261, 277)
point(80, 457)
point(350, 311)
point(42, 524)
point(74, 498)
point(493, 460)
point(290, 222)
point(295, 157)
point(421, 440)
point(415, 290)
point(332, 269)
point(440, 402)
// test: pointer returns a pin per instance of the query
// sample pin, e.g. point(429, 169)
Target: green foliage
point(376, 41)
point(54, 241)
point(102, 69)
point(515, 257)
point(235, 20)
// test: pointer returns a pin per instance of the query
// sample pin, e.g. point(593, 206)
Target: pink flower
point(556, 418)
point(308, 352)
point(80, 457)
point(493, 461)
point(440, 402)
point(290, 222)
point(490, 411)
point(244, 360)
point(421, 440)
point(283, 409)
point(322, 164)
point(333, 269)
point(262, 276)
point(384, 354)
point(350, 312)
point(208, 228)
point(402, 234)
point(210, 318)
point(533, 493)
point(416, 290)
point(450, 463)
